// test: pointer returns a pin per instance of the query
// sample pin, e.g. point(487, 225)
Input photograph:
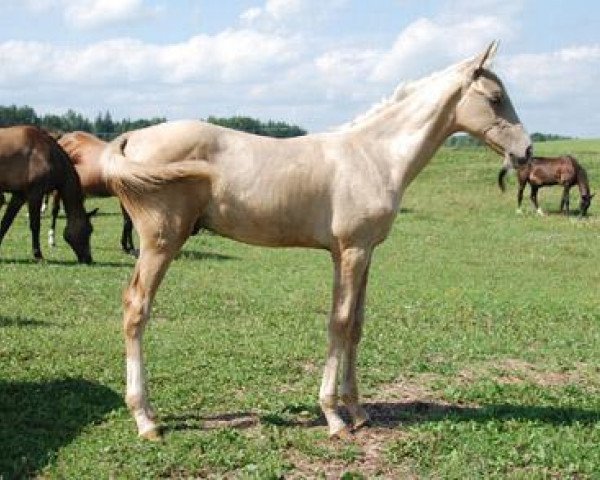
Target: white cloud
point(278, 14)
point(95, 13)
point(88, 14)
point(573, 71)
point(230, 56)
point(426, 44)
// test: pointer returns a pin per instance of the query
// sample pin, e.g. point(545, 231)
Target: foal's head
point(485, 111)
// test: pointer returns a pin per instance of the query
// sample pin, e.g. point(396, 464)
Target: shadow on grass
point(195, 255)
point(39, 418)
point(22, 322)
point(192, 421)
point(387, 415)
point(66, 263)
point(392, 415)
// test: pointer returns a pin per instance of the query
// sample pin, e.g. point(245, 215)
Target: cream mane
point(402, 91)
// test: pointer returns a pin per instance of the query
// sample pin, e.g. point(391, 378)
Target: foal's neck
point(406, 134)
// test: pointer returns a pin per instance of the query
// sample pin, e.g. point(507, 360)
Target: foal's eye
point(496, 99)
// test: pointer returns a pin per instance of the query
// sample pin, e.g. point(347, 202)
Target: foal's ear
point(92, 213)
point(488, 55)
point(484, 59)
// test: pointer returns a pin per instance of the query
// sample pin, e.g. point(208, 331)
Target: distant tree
point(547, 137)
point(252, 125)
point(14, 115)
point(127, 124)
point(105, 127)
point(462, 140)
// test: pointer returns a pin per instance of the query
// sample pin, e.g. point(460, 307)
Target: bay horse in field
point(32, 164)
point(84, 150)
point(544, 171)
point(338, 191)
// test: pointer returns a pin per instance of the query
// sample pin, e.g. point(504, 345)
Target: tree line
point(104, 126)
point(463, 140)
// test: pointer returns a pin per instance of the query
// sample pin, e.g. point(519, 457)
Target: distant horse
point(544, 171)
point(84, 150)
point(338, 191)
point(31, 164)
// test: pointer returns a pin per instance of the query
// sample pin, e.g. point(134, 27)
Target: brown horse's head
point(485, 111)
point(77, 234)
point(586, 201)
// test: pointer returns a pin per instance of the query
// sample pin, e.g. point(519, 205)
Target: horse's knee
point(135, 311)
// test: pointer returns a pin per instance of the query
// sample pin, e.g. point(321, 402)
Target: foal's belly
point(270, 227)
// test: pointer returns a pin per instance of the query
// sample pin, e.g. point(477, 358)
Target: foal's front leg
point(349, 386)
point(350, 266)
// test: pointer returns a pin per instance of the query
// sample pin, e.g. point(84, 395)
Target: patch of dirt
point(515, 371)
point(370, 460)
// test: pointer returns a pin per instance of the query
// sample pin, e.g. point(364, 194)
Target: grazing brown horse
point(338, 191)
point(84, 150)
point(31, 164)
point(544, 171)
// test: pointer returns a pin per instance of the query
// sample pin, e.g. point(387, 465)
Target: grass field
point(479, 360)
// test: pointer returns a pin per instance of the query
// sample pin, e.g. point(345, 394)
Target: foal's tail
point(126, 177)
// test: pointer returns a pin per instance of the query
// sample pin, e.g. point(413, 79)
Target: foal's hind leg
point(137, 302)
point(350, 266)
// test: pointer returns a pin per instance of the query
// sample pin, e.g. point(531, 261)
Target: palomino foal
point(336, 191)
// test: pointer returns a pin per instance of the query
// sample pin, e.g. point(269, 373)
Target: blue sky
point(316, 63)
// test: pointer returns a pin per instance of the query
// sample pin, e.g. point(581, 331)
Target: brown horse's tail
point(501, 174)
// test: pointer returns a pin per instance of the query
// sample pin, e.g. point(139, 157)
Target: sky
point(313, 63)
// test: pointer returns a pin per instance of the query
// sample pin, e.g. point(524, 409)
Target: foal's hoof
point(361, 423)
point(344, 434)
point(153, 435)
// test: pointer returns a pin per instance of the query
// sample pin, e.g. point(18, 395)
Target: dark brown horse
point(84, 151)
point(31, 164)
point(543, 171)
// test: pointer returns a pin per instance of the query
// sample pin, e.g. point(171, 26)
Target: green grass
point(479, 359)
